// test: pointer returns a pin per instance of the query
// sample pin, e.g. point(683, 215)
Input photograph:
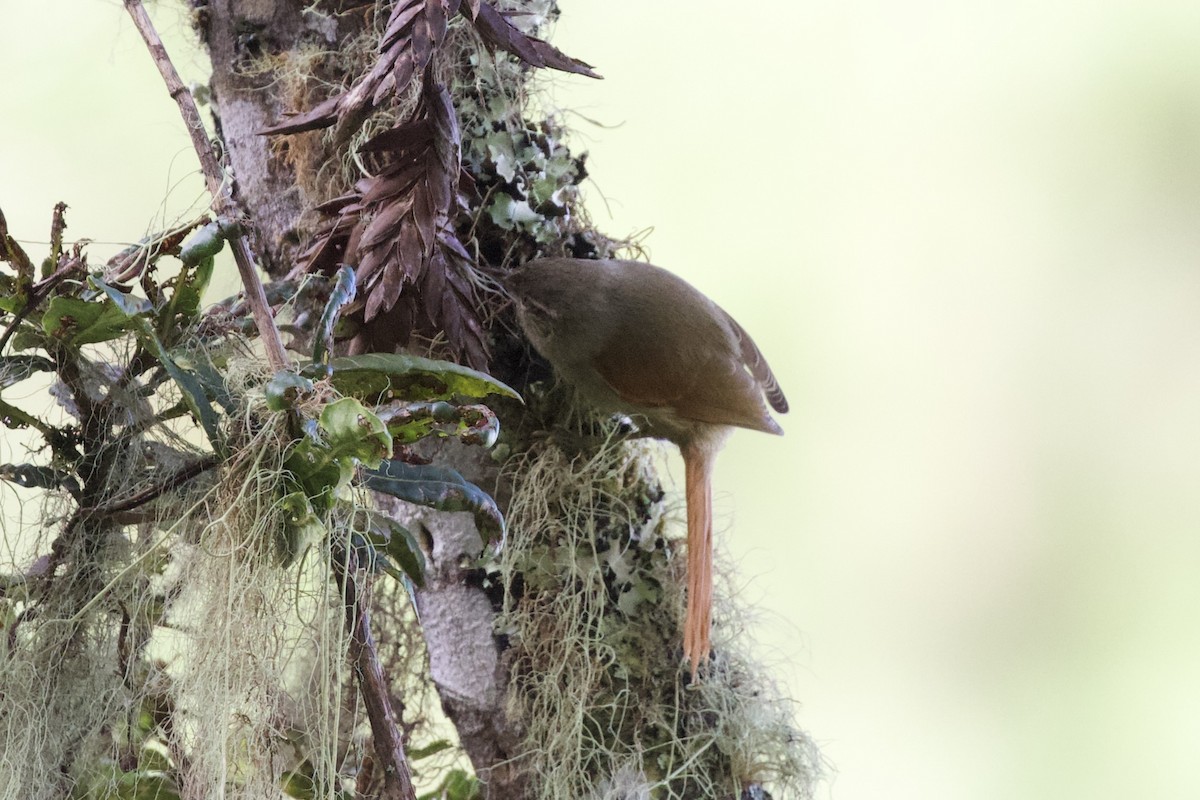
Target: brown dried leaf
point(12, 252)
point(411, 251)
point(415, 29)
point(397, 226)
point(129, 263)
point(58, 224)
point(435, 21)
point(392, 281)
point(461, 322)
point(385, 225)
point(444, 125)
point(409, 136)
point(404, 315)
point(393, 183)
point(338, 204)
point(386, 87)
point(499, 32)
point(322, 115)
point(427, 215)
point(434, 286)
point(404, 68)
point(369, 263)
point(374, 302)
point(402, 17)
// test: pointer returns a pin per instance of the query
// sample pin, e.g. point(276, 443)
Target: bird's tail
point(697, 465)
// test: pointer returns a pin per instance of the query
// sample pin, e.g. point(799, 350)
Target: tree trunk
point(251, 44)
point(248, 43)
point(587, 593)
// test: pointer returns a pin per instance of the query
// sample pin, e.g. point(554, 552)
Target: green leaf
point(285, 388)
point(297, 784)
point(28, 337)
point(141, 785)
point(387, 375)
point(74, 322)
point(350, 434)
point(318, 472)
point(190, 286)
point(211, 379)
point(397, 542)
point(205, 243)
point(461, 785)
point(441, 488)
point(458, 785)
point(344, 289)
point(130, 304)
point(409, 422)
point(14, 369)
point(432, 749)
point(305, 783)
point(193, 391)
point(301, 527)
point(13, 295)
point(353, 430)
point(151, 758)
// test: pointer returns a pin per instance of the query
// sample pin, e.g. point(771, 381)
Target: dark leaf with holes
point(439, 488)
point(14, 369)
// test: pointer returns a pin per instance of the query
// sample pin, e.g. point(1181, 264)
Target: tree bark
point(465, 660)
point(246, 40)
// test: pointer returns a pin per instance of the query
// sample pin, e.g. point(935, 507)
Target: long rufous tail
point(697, 466)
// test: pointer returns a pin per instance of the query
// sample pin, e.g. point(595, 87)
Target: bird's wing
point(754, 360)
point(718, 392)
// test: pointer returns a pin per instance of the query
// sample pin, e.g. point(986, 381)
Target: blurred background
point(966, 235)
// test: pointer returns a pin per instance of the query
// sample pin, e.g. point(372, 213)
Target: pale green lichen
point(593, 614)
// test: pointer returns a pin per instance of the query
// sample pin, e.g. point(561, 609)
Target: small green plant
point(351, 413)
point(167, 436)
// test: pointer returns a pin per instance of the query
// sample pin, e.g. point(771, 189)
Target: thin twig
point(180, 476)
point(364, 657)
point(214, 175)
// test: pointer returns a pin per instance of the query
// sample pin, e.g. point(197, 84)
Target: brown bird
point(637, 340)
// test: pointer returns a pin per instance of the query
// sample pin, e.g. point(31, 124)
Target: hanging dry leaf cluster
point(399, 226)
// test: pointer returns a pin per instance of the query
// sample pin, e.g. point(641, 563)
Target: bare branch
point(215, 177)
point(364, 657)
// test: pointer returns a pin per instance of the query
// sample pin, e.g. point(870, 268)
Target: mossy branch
point(170, 483)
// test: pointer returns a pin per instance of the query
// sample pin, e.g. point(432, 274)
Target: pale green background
point(966, 235)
